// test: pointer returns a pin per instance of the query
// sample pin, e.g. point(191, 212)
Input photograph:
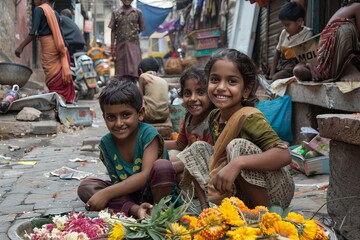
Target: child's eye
point(232, 81)
point(187, 94)
point(110, 117)
point(126, 115)
point(201, 92)
point(213, 80)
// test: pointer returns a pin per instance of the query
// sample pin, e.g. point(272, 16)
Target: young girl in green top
point(248, 157)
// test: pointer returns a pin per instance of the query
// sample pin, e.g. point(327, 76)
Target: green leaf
point(155, 235)
point(140, 234)
point(276, 209)
point(38, 222)
point(157, 209)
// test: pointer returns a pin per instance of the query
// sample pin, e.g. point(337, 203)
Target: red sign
point(88, 26)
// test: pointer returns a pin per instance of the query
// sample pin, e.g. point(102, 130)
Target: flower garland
point(231, 220)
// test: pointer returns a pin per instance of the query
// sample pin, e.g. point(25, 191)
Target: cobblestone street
point(29, 191)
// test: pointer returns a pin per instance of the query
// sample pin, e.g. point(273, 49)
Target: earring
point(244, 101)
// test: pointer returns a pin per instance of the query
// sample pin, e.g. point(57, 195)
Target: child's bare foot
point(316, 76)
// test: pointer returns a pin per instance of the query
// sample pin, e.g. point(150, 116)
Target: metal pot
point(13, 73)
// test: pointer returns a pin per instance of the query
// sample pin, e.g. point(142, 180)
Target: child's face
point(226, 86)
point(122, 120)
point(126, 2)
point(293, 27)
point(196, 100)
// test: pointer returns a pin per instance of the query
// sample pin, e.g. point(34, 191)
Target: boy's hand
point(97, 202)
point(144, 210)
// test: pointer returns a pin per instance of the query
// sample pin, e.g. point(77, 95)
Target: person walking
point(55, 58)
point(126, 23)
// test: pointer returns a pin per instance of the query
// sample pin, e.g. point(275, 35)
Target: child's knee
point(162, 172)
point(302, 73)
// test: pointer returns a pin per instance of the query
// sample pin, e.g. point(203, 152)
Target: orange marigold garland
point(245, 233)
point(213, 223)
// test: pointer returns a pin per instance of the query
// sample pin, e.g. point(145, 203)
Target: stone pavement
point(27, 191)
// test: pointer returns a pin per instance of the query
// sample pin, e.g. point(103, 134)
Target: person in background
point(248, 158)
point(155, 91)
point(126, 23)
point(72, 34)
point(292, 17)
point(55, 58)
point(134, 154)
point(338, 51)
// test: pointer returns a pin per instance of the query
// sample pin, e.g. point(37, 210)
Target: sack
point(189, 61)
point(278, 113)
point(173, 66)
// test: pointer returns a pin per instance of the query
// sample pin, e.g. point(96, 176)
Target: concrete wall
point(14, 27)
point(7, 25)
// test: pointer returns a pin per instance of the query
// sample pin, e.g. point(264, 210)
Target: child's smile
point(195, 98)
point(226, 86)
point(122, 120)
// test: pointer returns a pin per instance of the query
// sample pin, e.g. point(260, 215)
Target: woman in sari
point(55, 57)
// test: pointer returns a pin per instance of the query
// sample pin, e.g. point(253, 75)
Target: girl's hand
point(226, 177)
point(97, 202)
point(144, 210)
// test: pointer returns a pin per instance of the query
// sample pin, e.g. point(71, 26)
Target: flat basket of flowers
point(232, 219)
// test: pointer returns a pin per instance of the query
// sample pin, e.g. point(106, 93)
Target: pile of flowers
point(231, 220)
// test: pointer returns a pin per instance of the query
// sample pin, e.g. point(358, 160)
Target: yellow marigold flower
point(190, 220)
point(117, 233)
point(213, 222)
point(199, 237)
point(245, 233)
point(178, 231)
point(320, 234)
point(308, 230)
point(231, 214)
point(292, 216)
point(285, 229)
point(267, 222)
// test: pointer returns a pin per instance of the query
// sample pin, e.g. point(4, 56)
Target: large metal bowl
point(13, 73)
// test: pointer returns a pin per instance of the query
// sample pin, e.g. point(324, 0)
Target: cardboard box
point(311, 166)
point(305, 51)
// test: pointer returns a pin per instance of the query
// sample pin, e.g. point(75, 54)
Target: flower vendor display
point(231, 220)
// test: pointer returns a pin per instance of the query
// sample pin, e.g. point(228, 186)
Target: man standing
point(126, 23)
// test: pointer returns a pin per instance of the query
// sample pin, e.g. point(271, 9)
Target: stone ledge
point(19, 128)
point(340, 127)
point(325, 95)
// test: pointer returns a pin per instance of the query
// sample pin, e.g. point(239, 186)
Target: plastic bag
point(278, 113)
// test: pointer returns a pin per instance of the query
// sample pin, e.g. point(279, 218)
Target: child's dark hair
point(148, 64)
point(245, 66)
point(192, 73)
point(120, 92)
point(291, 11)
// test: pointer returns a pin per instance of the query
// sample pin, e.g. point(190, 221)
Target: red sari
point(55, 59)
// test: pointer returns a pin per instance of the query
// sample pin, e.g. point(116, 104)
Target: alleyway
point(27, 191)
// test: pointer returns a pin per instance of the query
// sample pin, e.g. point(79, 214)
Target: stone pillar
point(343, 195)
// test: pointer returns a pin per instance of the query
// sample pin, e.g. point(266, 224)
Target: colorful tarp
point(154, 12)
